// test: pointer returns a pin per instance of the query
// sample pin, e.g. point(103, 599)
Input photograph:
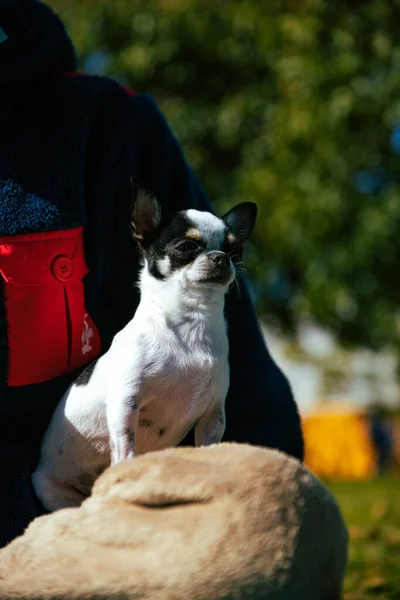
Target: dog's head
point(194, 247)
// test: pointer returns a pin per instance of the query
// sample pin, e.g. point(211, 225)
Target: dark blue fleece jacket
point(68, 147)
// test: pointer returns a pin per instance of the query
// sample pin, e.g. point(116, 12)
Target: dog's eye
point(185, 247)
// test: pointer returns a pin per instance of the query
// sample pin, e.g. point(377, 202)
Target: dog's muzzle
point(219, 268)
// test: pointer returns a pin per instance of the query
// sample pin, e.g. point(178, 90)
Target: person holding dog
point(69, 144)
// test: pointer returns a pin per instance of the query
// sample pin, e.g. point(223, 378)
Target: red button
point(61, 267)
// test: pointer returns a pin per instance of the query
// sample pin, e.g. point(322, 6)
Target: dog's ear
point(240, 220)
point(146, 212)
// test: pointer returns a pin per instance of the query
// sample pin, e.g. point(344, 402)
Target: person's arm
point(260, 407)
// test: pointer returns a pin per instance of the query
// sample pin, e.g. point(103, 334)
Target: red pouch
point(49, 331)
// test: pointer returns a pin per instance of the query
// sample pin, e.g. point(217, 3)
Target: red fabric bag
point(49, 330)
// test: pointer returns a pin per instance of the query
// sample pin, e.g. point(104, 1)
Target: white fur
point(211, 228)
point(164, 264)
point(168, 366)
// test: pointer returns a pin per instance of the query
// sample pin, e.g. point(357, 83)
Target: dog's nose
point(219, 258)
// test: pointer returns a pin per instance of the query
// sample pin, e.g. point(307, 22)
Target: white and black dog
point(167, 370)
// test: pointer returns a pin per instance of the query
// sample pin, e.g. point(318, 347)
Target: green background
point(294, 105)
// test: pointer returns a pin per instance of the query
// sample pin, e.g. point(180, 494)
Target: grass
point(371, 510)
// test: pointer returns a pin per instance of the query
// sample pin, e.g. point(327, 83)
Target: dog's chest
point(185, 363)
point(184, 373)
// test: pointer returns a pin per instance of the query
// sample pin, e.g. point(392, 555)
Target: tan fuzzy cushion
point(225, 522)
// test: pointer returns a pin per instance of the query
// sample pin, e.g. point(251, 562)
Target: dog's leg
point(54, 494)
point(122, 420)
point(210, 428)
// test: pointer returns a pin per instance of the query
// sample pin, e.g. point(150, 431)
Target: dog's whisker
point(241, 274)
point(236, 283)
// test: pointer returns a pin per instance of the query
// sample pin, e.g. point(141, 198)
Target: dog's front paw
point(210, 428)
point(117, 457)
point(122, 447)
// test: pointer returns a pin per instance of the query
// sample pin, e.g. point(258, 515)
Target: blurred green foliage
point(293, 104)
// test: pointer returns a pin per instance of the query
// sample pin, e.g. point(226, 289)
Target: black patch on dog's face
point(85, 375)
point(172, 242)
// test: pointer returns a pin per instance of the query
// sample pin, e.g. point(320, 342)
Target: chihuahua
point(167, 371)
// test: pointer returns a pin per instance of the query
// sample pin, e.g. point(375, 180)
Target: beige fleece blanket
point(227, 522)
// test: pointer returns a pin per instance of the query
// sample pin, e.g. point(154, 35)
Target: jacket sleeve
point(260, 407)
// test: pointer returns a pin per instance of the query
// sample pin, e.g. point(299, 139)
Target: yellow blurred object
point(338, 443)
point(396, 438)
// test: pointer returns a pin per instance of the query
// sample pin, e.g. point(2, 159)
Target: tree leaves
point(293, 105)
